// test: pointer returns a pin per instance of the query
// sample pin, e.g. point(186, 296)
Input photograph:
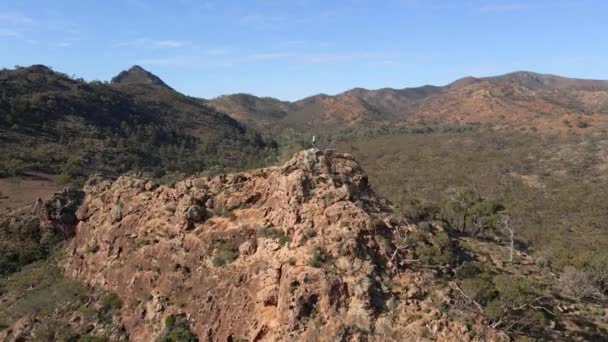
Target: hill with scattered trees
point(54, 124)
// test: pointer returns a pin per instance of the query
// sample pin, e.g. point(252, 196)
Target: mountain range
point(519, 99)
point(55, 124)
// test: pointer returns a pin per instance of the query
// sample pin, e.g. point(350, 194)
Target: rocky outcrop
point(301, 252)
point(59, 211)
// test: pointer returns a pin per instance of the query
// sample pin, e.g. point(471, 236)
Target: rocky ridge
point(304, 251)
point(517, 100)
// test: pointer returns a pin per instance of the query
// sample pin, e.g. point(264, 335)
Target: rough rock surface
point(300, 252)
point(60, 211)
point(57, 213)
point(67, 324)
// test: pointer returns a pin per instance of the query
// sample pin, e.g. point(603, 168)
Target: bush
point(509, 302)
point(170, 321)
point(578, 284)
point(222, 211)
point(12, 168)
point(177, 329)
point(37, 289)
point(23, 242)
point(109, 304)
point(480, 288)
point(316, 258)
point(467, 211)
point(92, 338)
point(224, 254)
point(599, 274)
point(420, 210)
point(273, 233)
point(432, 246)
point(62, 179)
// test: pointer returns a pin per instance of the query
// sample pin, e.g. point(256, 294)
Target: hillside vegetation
point(554, 186)
point(57, 125)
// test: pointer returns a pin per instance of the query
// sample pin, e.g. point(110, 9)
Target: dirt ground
point(16, 192)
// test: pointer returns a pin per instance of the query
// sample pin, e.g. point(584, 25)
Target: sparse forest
point(64, 127)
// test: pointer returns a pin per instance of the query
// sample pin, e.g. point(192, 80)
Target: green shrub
point(224, 254)
point(37, 289)
point(177, 329)
point(432, 246)
point(23, 242)
point(316, 258)
point(92, 248)
point(467, 211)
point(223, 212)
point(170, 322)
point(109, 304)
point(92, 338)
point(12, 168)
point(62, 179)
point(512, 302)
point(274, 233)
point(480, 288)
point(420, 210)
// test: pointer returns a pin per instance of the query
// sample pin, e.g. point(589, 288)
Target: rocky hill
point(519, 99)
point(303, 251)
point(137, 75)
point(58, 125)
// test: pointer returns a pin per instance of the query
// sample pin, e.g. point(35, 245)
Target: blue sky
point(291, 49)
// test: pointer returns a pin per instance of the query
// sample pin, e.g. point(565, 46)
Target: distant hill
point(252, 110)
point(53, 124)
point(137, 75)
point(519, 99)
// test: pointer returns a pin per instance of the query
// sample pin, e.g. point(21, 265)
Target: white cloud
point(14, 24)
point(169, 43)
point(216, 52)
point(151, 43)
point(15, 19)
point(383, 62)
point(489, 8)
point(519, 5)
point(329, 58)
point(220, 57)
point(321, 58)
point(263, 21)
point(9, 33)
point(172, 61)
point(271, 56)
